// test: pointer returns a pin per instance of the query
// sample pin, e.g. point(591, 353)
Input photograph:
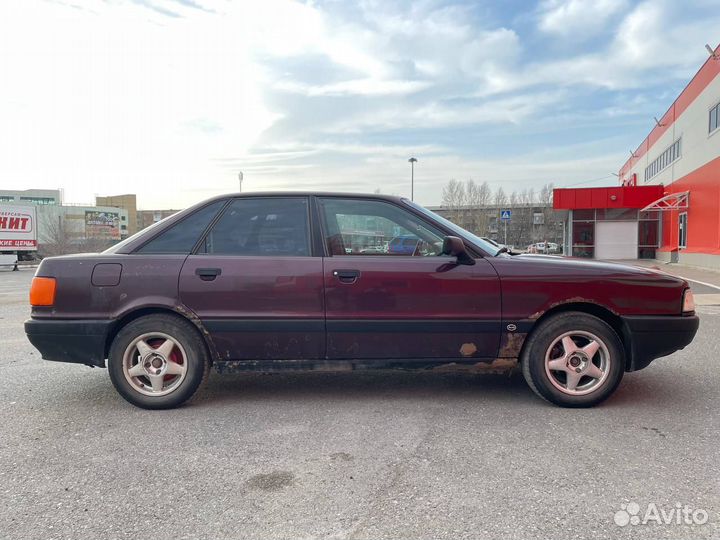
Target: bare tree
point(454, 198)
point(478, 196)
point(57, 238)
point(500, 197)
point(471, 192)
point(484, 194)
point(546, 194)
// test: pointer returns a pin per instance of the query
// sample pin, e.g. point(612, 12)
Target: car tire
point(573, 359)
point(158, 361)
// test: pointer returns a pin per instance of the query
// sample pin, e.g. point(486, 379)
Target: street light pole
point(412, 161)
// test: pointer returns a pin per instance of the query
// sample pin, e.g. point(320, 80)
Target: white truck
point(18, 233)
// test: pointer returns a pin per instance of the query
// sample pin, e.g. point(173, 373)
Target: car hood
point(592, 266)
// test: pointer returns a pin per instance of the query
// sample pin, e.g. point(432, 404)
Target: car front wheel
point(573, 359)
point(158, 361)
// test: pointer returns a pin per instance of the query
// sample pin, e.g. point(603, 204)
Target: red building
point(668, 204)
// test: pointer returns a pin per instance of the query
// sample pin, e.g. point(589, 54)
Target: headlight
point(688, 301)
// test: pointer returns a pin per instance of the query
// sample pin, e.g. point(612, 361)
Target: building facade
point(127, 202)
point(682, 154)
point(69, 228)
point(145, 218)
point(668, 203)
point(32, 196)
point(610, 222)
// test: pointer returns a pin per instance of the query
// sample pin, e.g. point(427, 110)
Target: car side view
point(299, 281)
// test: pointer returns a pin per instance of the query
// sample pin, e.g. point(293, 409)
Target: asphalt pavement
point(356, 455)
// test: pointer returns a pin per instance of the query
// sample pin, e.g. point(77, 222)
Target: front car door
point(255, 284)
point(391, 294)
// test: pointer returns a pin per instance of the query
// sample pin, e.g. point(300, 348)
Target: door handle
point(347, 276)
point(208, 274)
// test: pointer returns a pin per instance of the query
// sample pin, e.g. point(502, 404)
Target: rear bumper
point(76, 341)
point(653, 337)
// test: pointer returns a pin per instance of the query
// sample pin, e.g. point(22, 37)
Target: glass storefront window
point(649, 214)
point(583, 215)
point(583, 251)
point(616, 214)
point(583, 234)
point(648, 233)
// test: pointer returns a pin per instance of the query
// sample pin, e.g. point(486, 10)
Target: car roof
point(394, 198)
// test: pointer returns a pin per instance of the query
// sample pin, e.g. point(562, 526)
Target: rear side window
point(261, 227)
point(181, 237)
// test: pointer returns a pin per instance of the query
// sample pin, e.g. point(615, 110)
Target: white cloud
point(359, 87)
point(579, 18)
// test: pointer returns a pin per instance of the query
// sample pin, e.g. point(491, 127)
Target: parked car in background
point(263, 282)
point(403, 245)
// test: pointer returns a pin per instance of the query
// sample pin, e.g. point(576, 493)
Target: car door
point(386, 303)
point(255, 284)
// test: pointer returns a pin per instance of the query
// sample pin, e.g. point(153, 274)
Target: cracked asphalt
point(351, 455)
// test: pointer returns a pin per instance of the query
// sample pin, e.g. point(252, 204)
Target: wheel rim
point(577, 363)
point(155, 364)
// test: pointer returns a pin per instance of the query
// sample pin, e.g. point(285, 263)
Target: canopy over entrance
point(674, 201)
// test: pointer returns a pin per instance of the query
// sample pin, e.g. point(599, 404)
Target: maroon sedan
point(279, 281)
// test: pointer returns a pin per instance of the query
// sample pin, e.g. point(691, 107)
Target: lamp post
point(412, 162)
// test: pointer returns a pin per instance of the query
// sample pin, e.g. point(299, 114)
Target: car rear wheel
point(573, 359)
point(158, 361)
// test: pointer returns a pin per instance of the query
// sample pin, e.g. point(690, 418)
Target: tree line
point(475, 207)
point(459, 194)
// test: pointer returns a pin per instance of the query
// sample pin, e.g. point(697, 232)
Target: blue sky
point(171, 98)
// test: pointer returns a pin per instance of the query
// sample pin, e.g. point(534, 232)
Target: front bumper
point(76, 341)
point(649, 338)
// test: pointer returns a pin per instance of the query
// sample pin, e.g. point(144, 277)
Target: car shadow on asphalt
point(651, 387)
point(363, 385)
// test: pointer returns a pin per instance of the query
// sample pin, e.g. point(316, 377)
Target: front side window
point(366, 227)
point(261, 227)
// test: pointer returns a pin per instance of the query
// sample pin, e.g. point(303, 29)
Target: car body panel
point(258, 307)
point(411, 307)
point(533, 284)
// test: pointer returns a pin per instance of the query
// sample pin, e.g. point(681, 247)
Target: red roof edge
point(606, 197)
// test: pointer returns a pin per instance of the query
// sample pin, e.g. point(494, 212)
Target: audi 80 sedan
point(272, 281)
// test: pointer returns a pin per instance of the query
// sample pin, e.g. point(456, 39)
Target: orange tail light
point(42, 291)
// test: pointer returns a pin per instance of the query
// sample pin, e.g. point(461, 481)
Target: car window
point(366, 227)
point(261, 227)
point(462, 233)
point(182, 237)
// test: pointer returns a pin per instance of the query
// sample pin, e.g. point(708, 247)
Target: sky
point(170, 99)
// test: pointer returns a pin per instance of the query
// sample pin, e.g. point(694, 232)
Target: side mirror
point(454, 246)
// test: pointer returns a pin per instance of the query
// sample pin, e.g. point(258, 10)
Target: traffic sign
point(505, 215)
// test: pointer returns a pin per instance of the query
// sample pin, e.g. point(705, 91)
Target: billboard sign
point(104, 225)
point(18, 228)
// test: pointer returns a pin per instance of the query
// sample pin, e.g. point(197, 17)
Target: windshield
point(485, 245)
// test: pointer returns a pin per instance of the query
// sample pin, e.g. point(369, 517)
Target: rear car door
point(383, 302)
point(255, 284)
